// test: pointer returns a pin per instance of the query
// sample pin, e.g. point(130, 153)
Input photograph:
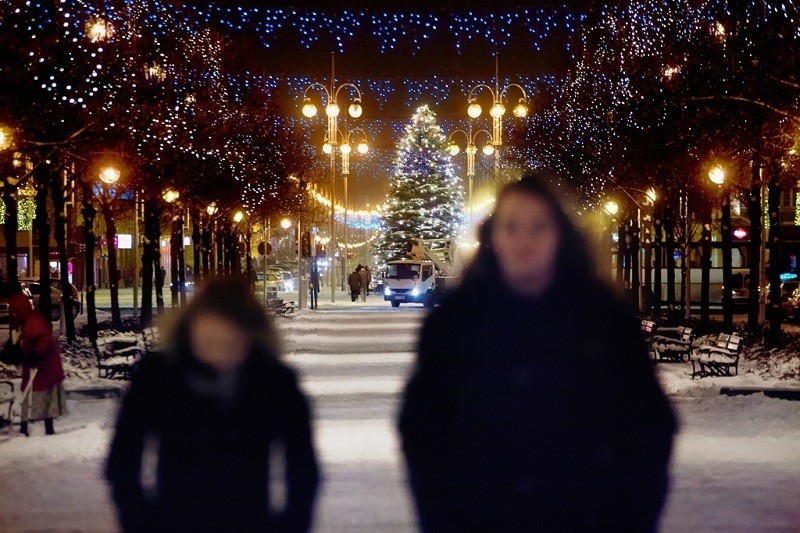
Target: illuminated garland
point(26, 208)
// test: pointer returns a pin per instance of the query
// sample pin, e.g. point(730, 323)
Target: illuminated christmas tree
point(426, 198)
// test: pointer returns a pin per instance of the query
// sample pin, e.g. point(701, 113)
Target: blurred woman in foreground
point(215, 402)
point(533, 406)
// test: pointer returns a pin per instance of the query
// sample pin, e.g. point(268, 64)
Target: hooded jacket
point(39, 346)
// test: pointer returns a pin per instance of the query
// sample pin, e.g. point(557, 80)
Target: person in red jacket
point(39, 351)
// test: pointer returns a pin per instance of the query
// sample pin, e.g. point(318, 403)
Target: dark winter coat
point(535, 415)
point(213, 452)
point(354, 281)
point(39, 346)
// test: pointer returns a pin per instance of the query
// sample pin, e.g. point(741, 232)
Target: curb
point(779, 393)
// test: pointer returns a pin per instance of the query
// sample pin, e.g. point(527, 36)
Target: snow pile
point(773, 363)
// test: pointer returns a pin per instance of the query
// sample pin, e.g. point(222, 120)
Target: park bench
point(279, 307)
point(672, 344)
point(7, 397)
point(648, 328)
point(151, 337)
point(717, 358)
point(117, 356)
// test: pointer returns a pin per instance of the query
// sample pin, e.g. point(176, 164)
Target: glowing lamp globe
point(309, 109)
point(6, 138)
point(170, 195)
point(332, 110)
point(521, 109)
point(286, 223)
point(238, 216)
point(498, 110)
point(488, 149)
point(740, 233)
point(362, 147)
point(346, 149)
point(109, 175)
point(453, 149)
point(212, 209)
point(327, 148)
point(474, 110)
point(611, 207)
point(717, 175)
point(355, 109)
point(651, 195)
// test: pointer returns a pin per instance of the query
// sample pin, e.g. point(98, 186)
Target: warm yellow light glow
point(212, 209)
point(327, 148)
point(362, 147)
point(355, 109)
point(6, 138)
point(155, 72)
point(488, 149)
point(717, 175)
point(98, 30)
point(498, 110)
point(472, 149)
point(521, 109)
point(453, 149)
point(474, 110)
point(238, 216)
point(651, 195)
point(332, 110)
point(346, 149)
point(170, 195)
point(670, 72)
point(286, 223)
point(309, 109)
point(109, 175)
point(611, 207)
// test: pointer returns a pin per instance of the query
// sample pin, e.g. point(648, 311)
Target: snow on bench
point(117, 355)
point(673, 344)
point(719, 358)
point(7, 396)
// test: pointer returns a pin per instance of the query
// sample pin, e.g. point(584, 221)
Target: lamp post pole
point(331, 140)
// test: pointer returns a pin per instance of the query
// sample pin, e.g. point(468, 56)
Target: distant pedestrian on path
point(217, 401)
point(354, 281)
point(533, 405)
point(40, 352)
point(365, 277)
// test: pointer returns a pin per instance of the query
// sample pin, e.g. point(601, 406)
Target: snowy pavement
point(736, 465)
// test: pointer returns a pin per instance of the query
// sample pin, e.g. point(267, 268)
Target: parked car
point(6, 291)
point(72, 303)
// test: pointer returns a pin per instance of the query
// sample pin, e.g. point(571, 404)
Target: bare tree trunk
point(113, 277)
point(774, 313)
point(754, 257)
point(43, 177)
point(669, 232)
point(89, 213)
point(658, 230)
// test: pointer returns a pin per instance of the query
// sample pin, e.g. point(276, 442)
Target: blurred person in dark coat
point(216, 401)
point(533, 405)
point(40, 351)
point(354, 281)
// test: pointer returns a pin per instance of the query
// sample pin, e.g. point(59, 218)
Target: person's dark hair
point(231, 298)
point(574, 266)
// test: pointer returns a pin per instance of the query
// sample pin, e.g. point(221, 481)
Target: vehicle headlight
point(289, 286)
point(415, 291)
point(387, 291)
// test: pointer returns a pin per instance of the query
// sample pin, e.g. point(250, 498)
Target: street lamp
point(330, 100)
point(177, 271)
point(286, 224)
point(471, 150)
point(498, 109)
point(6, 138)
point(717, 176)
point(98, 30)
point(346, 148)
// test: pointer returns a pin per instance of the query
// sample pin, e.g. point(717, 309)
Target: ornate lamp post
point(346, 148)
point(718, 177)
point(497, 110)
point(471, 149)
point(330, 101)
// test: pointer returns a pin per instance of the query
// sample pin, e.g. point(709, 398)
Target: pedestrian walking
point(365, 278)
point(354, 281)
point(216, 401)
point(533, 405)
point(41, 358)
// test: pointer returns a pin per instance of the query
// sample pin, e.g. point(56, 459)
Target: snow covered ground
point(736, 464)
